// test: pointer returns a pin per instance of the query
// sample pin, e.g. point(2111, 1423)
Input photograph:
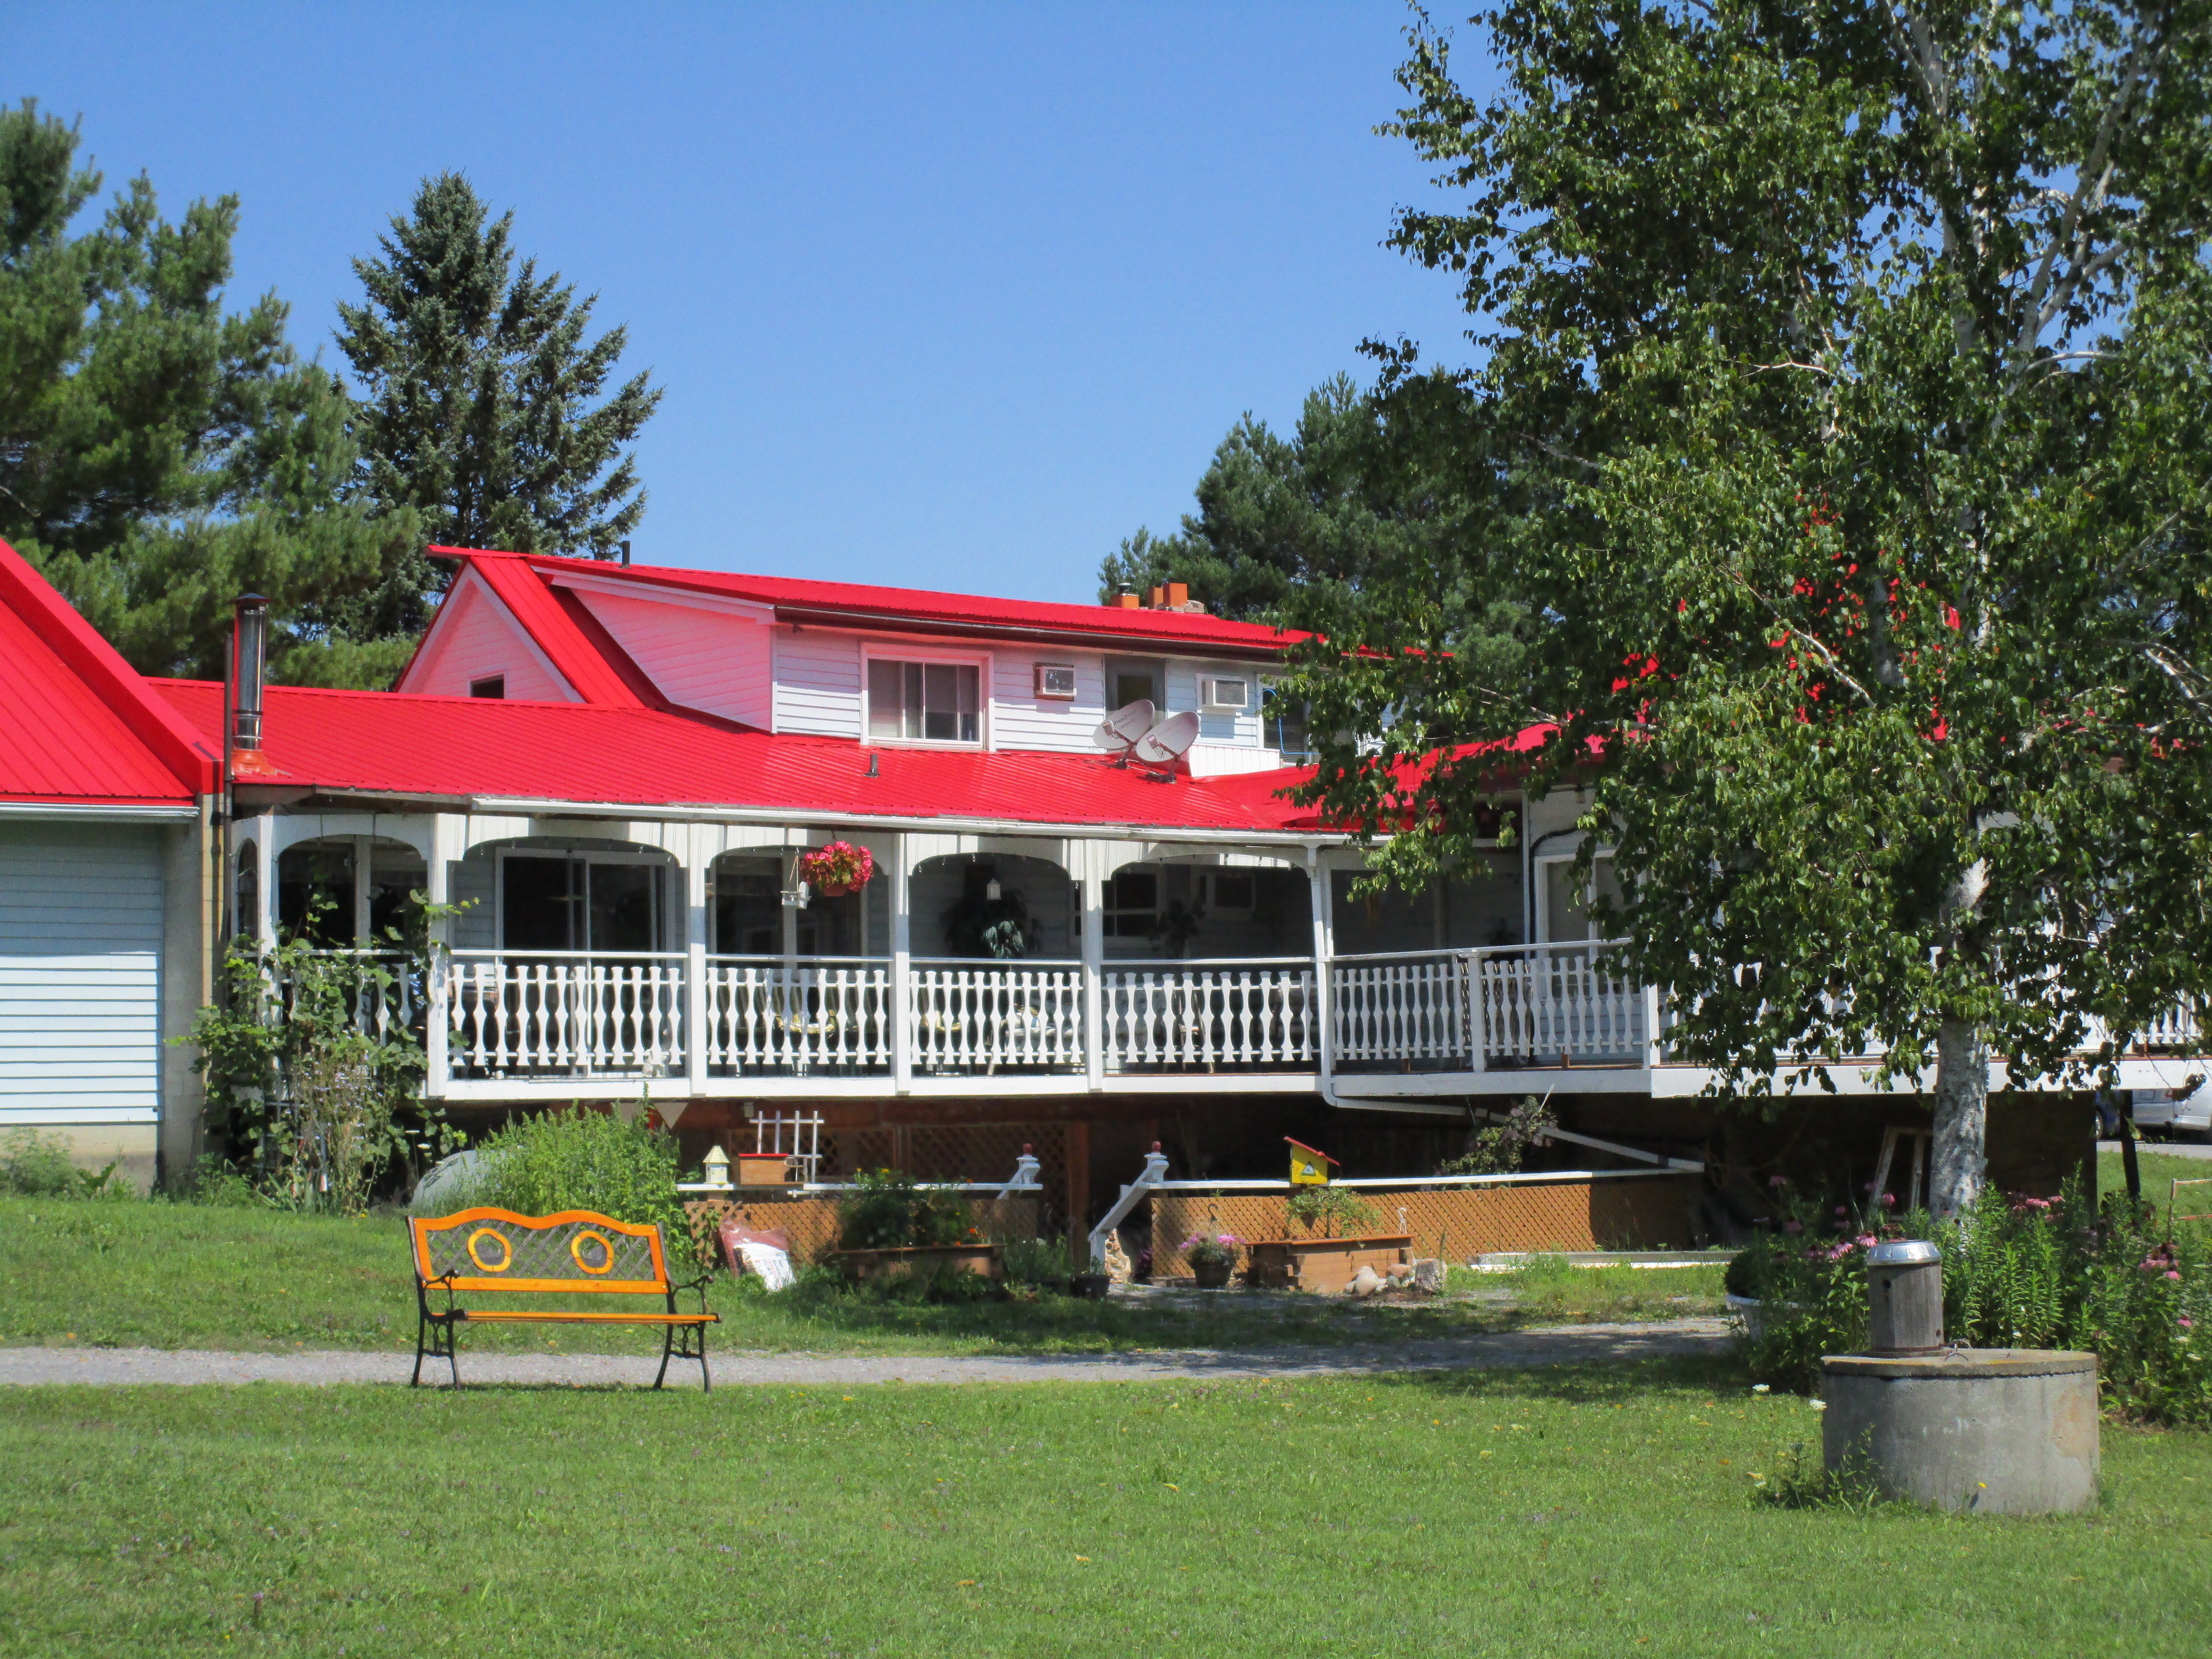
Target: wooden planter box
point(763, 1168)
point(1324, 1264)
point(927, 1259)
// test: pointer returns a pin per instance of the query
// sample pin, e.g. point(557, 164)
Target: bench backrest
point(488, 1249)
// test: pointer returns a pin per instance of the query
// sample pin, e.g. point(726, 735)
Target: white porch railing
point(1408, 1008)
point(768, 1015)
point(564, 1012)
point(1471, 1009)
point(1550, 1004)
point(1210, 1016)
point(967, 1015)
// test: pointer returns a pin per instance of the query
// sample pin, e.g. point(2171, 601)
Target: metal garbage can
point(1904, 1297)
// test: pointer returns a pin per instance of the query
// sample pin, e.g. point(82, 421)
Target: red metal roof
point(78, 726)
point(400, 745)
point(862, 605)
point(548, 621)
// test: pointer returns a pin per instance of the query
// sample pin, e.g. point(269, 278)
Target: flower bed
point(2018, 1273)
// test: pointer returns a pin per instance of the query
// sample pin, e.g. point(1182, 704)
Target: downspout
point(1324, 1004)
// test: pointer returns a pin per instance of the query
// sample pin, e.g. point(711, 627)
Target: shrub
point(1046, 1263)
point(312, 1100)
point(885, 1210)
point(575, 1159)
point(1334, 1210)
point(1501, 1148)
point(2018, 1273)
point(35, 1166)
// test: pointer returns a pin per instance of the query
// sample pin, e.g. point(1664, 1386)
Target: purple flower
point(1841, 1211)
point(1793, 1226)
point(1889, 1200)
point(1778, 1181)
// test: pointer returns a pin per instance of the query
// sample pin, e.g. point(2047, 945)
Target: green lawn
point(1598, 1511)
point(2157, 1169)
point(165, 1275)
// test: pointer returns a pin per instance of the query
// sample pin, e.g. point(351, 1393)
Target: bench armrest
point(699, 1285)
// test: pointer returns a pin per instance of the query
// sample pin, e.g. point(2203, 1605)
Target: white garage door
point(80, 981)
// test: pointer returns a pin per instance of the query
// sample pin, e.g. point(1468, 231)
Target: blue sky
point(949, 296)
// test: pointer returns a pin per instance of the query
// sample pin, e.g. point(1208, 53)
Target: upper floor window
point(492, 686)
point(924, 701)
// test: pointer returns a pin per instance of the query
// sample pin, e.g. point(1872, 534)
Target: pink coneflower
point(2174, 1274)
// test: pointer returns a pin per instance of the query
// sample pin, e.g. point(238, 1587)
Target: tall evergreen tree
point(477, 383)
point(159, 456)
point(1274, 513)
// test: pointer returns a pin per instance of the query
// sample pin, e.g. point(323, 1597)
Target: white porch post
point(1325, 1048)
point(437, 1023)
point(694, 960)
point(361, 845)
point(264, 919)
point(1651, 1026)
point(1094, 965)
point(902, 966)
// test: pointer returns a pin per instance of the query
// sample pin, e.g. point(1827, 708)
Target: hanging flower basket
point(837, 869)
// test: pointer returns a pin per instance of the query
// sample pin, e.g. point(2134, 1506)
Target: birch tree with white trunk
point(1839, 435)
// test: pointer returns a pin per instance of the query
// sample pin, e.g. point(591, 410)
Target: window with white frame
point(925, 701)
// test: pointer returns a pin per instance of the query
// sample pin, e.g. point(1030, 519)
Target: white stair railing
point(1155, 1171)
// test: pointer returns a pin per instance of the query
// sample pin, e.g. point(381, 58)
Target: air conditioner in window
point(1056, 679)
point(1227, 694)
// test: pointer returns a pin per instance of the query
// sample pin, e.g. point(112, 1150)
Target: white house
point(619, 771)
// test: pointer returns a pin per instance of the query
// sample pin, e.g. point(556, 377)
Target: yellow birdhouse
point(1308, 1167)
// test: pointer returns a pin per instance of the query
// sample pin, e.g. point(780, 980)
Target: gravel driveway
point(1558, 1345)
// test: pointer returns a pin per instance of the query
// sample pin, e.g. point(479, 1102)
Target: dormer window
point(924, 701)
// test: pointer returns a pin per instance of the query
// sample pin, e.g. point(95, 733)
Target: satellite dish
point(1166, 742)
point(1118, 732)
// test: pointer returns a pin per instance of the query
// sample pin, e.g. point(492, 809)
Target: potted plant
point(839, 868)
point(1212, 1258)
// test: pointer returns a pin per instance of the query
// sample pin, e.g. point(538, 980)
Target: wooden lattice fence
point(1644, 1212)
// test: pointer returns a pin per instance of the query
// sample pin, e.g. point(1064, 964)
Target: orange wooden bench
point(481, 1252)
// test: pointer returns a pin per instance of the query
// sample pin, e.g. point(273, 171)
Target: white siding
point(476, 639)
point(818, 682)
point(1022, 720)
point(1219, 729)
point(80, 975)
point(700, 659)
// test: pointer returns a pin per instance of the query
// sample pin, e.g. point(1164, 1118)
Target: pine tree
point(158, 455)
point(477, 385)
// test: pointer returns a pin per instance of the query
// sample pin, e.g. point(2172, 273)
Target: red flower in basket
point(837, 869)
